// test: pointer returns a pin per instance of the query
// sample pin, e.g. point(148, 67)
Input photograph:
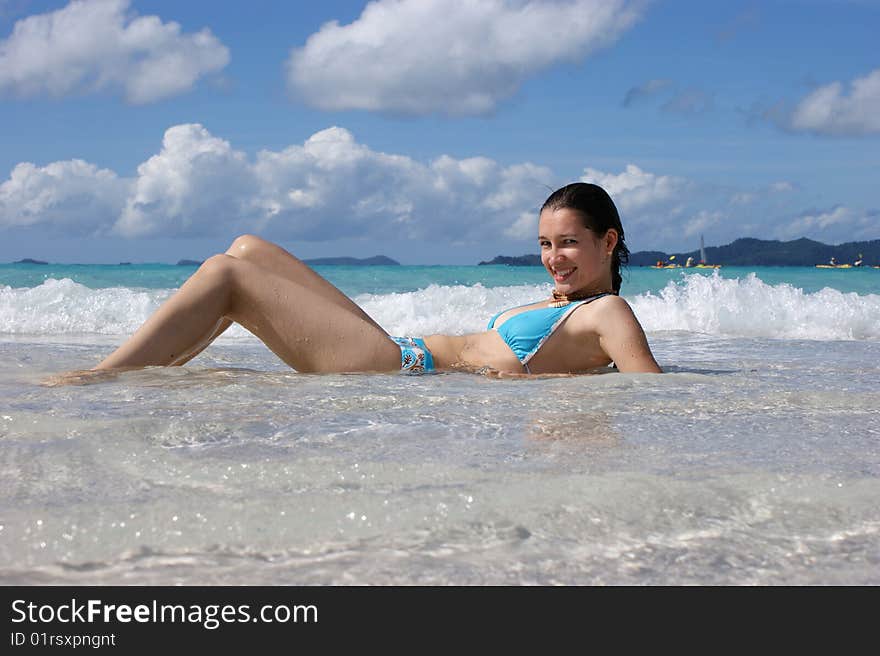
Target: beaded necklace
point(561, 300)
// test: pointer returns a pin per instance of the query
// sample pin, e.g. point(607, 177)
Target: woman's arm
point(623, 340)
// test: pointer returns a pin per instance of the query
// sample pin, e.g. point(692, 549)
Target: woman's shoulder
point(604, 312)
point(611, 299)
point(609, 302)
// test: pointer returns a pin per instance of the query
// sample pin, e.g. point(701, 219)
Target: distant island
point(761, 252)
point(378, 260)
point(746, 252)
point(520, 260)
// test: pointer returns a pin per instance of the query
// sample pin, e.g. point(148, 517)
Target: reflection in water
point(593, 428)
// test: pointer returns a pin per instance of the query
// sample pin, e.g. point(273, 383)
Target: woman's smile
point(562, 273)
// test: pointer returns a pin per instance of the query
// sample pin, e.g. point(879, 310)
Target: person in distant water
point(858, 262)
point(314, 327)
point(833, 261)
point(689, 262)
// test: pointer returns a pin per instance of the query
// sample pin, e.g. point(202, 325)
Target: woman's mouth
point(561, 275)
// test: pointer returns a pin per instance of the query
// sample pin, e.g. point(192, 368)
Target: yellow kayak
point(707, 266)
point(834, 266)
point(667, 266)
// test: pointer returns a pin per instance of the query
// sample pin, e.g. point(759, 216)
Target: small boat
point(832, 264)
point(702, 264)
point(666, 265)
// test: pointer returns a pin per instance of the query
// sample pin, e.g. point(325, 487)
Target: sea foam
point(739, 307)
point(64, 307)
point(748, 307)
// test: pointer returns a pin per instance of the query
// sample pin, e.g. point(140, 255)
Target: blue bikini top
point(527, 331)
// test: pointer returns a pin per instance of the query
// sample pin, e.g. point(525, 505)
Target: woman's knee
point(220, 276)
point(219, 269)
point(250, 247)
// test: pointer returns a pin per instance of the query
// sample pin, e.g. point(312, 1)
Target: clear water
point(355, 280)
point(754, 460)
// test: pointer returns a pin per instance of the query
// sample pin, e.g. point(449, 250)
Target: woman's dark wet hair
point(598, 213)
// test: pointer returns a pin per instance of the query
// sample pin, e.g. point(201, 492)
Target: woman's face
point(573, 255)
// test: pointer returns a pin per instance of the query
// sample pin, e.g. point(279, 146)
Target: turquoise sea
point(387, 279)
point(754, 460)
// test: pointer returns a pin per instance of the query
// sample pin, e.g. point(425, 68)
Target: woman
point(314, 327)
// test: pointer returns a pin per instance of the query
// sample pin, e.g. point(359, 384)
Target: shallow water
point(754, 460)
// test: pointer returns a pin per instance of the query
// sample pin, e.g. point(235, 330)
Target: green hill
point(377, 260)
point(745, 252)
point(518, 260)
point(760, 252)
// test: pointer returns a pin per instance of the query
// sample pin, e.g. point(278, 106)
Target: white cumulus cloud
point(72, 197)
point(331, 186)
point(457, 57)
point(833, 225)
point(196, 184)
point(634, 189)
point(92, 45)
point(834, 110)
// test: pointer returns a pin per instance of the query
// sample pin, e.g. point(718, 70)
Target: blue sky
point(430, 130)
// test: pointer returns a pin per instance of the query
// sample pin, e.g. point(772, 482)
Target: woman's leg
point(272, 257)
point(305, 328)
point(280, 262)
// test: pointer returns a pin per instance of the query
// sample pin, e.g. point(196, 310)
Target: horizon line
point(37, 261)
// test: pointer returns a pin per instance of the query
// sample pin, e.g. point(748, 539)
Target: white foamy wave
point(63, 306)
point(744, 307)
point(748, 307)
point(449, 310)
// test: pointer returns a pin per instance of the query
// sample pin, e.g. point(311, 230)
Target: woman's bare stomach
point(476, 351)
point(488, 349)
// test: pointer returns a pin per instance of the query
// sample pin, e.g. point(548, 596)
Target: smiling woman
point(582, 247)
point(314, 327)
